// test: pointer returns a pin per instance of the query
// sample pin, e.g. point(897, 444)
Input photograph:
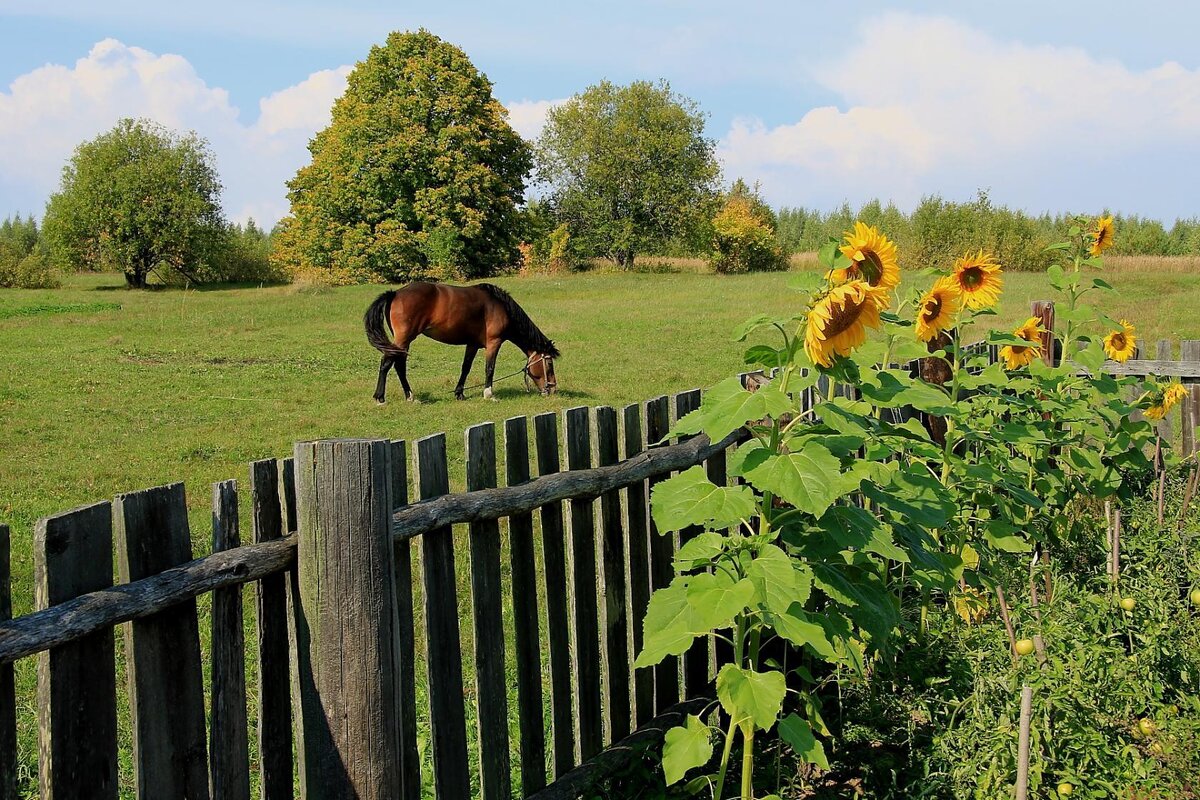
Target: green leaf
point(773, 576)
point(1101, 284)
point(685, 747)
point(798, 628)
point(727, 407)
point(749, 696)
point(826, 253)
point(752, 324)
point(809, 479)
point(765, 356)
point(716, 599)
point(1055, 273)
point(704, 547)
point(670, 625)
point(799, 734)
point(690, 498)
point(1002, 536)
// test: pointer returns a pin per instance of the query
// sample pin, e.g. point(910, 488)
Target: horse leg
point(401, 365)
point(489, 369)
point(468, 360)
point(385, 364)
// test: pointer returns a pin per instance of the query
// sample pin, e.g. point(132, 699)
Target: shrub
point(743, 241)
point(23, 263)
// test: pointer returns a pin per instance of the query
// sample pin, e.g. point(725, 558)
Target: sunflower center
point(933, 309)
point(871, 266)
point(1018, 349)
point(971, 277)
point(843, 317)
point(1118, 341)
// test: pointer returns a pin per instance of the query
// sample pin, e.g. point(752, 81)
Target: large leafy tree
point(135, 199)
point(628, 167)
point(418, 174)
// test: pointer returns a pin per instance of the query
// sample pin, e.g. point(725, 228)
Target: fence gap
point(77, 682)
point(530, 716)
point(229, 767)
point(163, 650)
point(406, 677)
point(557, 609)
point(615, 652)
point(443, 649)
point(491, 689)
point(275, 761)
point(639, 568)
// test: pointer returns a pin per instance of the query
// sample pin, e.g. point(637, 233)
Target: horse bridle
point(548, 364)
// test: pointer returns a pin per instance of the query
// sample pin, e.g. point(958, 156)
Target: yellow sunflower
point(1102, 235)
point(978, 278)
point(839, 320)
point(1174, 394)
point(1162, 399)
point(938, 308)
point(1158, 407)
point(1121, 345)
point(872, 259)
point(1017, 356)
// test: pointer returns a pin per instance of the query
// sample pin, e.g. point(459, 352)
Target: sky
point(1049, 106)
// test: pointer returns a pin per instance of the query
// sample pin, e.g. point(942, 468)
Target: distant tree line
point(420, 175)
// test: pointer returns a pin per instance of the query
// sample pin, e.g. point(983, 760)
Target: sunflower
point(1102, 235)
point(1121, 345)
point(839, 320)
point(1173, 394)
point(1162, 399)
point(937, 308)
point(872, 259)
point(978, 278)
point(1020, 356)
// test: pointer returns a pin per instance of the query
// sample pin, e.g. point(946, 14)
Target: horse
point(481, 316)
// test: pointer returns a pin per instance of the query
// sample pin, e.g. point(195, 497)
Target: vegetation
point(23, 264)
point(628, 168)
point(136, 199)
point(418, 175)
point(744, 234)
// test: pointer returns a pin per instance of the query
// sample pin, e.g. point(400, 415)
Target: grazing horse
point(480, 316)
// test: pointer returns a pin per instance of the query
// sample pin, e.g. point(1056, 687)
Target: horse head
point(540, 369)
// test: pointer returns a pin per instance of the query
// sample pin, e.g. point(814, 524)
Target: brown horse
point(480, 316)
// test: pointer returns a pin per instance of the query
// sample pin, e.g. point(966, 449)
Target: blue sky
point(1050, 105)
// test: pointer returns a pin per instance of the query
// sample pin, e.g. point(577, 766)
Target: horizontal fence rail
point(561, 594)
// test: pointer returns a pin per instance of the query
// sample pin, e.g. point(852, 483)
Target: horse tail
point(379, 327)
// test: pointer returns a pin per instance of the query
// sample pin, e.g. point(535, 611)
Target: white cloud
point(933, 105)
point(528, 117)
point(47, 112)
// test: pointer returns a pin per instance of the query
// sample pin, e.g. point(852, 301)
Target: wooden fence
point(342, 614)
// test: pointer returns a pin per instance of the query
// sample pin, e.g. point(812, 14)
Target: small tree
point(419, 173)
point(628, 167)
point(23, 262)
point(744, 237)
point(135, 199)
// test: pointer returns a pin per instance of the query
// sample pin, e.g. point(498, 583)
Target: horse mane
point(521, 329)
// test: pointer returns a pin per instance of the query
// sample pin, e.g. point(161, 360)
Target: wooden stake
point(1116, 548)
point(1022, 787)
point(1012, 638)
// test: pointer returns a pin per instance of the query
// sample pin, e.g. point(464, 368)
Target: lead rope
point(523, 370)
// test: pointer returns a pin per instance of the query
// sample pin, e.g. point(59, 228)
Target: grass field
point(105, 390)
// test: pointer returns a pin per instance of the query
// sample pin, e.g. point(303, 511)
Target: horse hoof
point(460, 396)
point(378, 401)
point(413, 399)
point(487, 394)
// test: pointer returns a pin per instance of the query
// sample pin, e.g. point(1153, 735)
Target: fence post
point(8, 688)
point(345, 634)
point(1189, 350)
point(1044, 311)
point(229, 767)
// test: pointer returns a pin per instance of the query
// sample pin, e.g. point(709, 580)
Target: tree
point(137, 198)
point(418, 174)
point(628, 167)
point(744, 237)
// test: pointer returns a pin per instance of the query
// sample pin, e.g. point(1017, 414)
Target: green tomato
point(1128, 603)
point(1147, 726)
point(1065, 789)
point(1195, 597)
point(1024, 647)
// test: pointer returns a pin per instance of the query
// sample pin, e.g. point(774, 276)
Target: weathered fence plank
point(696, 659)
point(77, 682)
point(287, 493)
point(229, 765)
point(586, 615)
point(639, 567)
point(662, 556)
point(554, 553)
point(615, 653)
point(163, 650)
point(1044, 311)
point(491, 688)
point(344, 616)
point(406, 671)
point(8, 687)
point(530, 718)
point(271, 604)
point(1164, 367)
point(1189, 352)
point(443, 649)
